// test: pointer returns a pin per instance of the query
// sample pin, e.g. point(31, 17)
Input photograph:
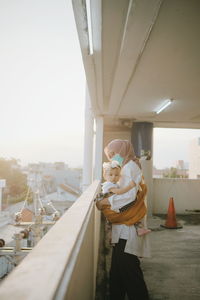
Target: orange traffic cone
point(171, 216)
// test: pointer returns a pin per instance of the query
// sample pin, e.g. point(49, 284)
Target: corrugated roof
point(69, 189)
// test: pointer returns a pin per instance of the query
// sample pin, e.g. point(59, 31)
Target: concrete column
point(98, 148)
point(142, 137)
point(142, 141)
point(88, 143)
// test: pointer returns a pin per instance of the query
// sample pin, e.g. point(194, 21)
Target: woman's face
point(117, 157)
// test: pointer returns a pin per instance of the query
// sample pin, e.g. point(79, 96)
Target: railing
point(184, 191)
point(63, 264)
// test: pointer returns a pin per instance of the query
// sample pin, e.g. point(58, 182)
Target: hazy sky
point(171, 145)
point(42, 83)
point(42, 88)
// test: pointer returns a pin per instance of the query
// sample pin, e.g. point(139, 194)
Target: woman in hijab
point(126, 276)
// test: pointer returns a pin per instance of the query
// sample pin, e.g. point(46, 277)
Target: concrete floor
point(173, 271)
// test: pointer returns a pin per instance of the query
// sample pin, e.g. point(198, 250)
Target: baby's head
point(111, 171)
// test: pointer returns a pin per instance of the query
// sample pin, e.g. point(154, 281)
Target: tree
point(172, 173)
point(16, 181)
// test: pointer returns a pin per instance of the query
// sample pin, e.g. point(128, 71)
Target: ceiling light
point(165, 105)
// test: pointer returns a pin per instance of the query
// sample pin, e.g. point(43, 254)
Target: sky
point(171, 145)
point(42, 88)
point(42, 82)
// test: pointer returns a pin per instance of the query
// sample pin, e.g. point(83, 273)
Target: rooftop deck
point(173, 271)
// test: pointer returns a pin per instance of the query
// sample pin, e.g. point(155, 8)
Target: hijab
point(123, 148)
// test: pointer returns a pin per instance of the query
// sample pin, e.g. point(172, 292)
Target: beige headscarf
point(124, 148)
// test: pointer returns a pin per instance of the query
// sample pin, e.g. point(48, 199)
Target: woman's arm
point(132, 171)
point(123, 190)
point(129, 197)
point(118, 201)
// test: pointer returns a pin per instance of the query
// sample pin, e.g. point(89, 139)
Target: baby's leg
point(141, 227)
point(143, 221)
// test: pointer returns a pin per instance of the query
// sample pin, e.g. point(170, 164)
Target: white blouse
point(137, 245)
point(107, 185)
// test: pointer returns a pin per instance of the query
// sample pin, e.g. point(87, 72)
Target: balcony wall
point(63, 264)
point(186, 194)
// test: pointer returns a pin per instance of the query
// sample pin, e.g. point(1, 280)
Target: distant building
point(182, 168)
point(158, 173)
point(179, 171)
point(194, 159)
point(64, 193)
point(53, 174)
point(63, 198)
point(27, 215)
point(57, 184)
point(180, 164)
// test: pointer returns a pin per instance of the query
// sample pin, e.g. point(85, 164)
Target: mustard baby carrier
point(133, 213)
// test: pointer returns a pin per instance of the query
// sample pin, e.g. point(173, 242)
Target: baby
point(111, 173)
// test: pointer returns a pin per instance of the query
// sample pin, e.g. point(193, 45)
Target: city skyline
point(164, 154)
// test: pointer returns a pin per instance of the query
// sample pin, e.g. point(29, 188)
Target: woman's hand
point(101, 203)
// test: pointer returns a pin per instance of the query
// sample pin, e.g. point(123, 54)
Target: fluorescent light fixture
point(165, 105)
point(88, 10)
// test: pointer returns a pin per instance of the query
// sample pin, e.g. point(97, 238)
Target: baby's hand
point(115, 191)
point(99, 205)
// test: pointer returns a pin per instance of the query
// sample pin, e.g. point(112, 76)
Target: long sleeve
point(130, 172)
point(107, 185)
point(118, 201)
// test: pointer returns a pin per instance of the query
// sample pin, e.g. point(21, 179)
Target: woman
point(126, 276)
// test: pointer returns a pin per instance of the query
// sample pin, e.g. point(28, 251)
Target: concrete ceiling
point(145, 51)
